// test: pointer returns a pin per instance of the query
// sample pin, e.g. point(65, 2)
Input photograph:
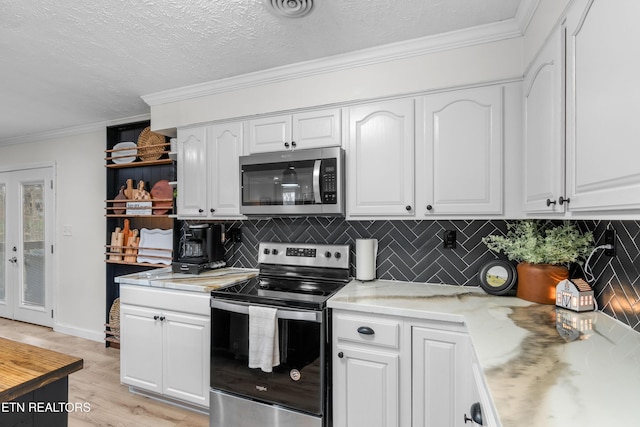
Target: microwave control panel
point(329, 184)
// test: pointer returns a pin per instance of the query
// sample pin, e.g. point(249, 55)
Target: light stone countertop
point(203, 282)
point(537, 373)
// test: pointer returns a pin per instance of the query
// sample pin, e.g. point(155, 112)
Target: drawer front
point(367, 330)
point(166, 299)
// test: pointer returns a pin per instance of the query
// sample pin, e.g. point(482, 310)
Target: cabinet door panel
point(192, 172)
point(141, 343)
point(381, 159)
point(602, 95)
point(544, 159)
point(365, 388)
point(441, 375)
point(317, 129)
point(463, 158)
point(186, 357)
point(224, 173)
point(269, 134)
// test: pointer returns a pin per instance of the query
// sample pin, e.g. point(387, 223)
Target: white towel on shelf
point(264, 351)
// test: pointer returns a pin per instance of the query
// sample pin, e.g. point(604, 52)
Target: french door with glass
point(26, 245)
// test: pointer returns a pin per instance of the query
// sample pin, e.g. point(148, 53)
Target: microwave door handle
point(309, 316)
point(316, 182)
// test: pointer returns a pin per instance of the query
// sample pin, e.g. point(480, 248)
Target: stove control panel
point(304, 254)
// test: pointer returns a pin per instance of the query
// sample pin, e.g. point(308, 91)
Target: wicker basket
point(114, 319)
point(151, 145)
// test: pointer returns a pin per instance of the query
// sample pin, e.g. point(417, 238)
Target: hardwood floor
point(98, 383)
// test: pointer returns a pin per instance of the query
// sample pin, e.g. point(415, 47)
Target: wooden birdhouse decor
point(575, 295)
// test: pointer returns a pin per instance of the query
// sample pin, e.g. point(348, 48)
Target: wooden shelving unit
point(155, 165)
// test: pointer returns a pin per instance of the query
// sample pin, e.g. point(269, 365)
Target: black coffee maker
point(197, 248)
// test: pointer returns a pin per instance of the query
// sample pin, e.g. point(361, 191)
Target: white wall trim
point(76, 130)
point(79, 332)
point(525, 13)
point(427, 45)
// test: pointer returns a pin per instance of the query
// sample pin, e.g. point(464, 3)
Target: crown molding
point(76, 130)
point(525, 13)
point(502, 30)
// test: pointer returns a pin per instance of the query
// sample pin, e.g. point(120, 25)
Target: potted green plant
point(544, 250)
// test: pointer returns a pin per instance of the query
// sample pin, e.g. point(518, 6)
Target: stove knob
point(266, 251)
point(274, 252)
point(337, 255)
point(327, 254)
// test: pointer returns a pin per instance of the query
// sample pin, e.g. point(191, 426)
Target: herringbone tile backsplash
point(413, 251)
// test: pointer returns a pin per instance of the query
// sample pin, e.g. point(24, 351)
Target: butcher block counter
point(33, 381)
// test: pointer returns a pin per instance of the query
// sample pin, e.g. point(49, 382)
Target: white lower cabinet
point(442, 383)
point(392, 371)
point(165, 348)
point(365, 371)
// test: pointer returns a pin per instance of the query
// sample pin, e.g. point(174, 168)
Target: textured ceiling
point(72, 63)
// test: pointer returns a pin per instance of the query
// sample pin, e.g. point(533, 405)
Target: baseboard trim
point(97, 336)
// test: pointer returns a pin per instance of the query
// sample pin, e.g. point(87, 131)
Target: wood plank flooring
point(98, 387)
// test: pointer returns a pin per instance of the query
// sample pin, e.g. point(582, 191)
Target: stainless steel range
point(293, 285)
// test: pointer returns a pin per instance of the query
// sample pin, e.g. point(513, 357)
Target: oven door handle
point(283, 313)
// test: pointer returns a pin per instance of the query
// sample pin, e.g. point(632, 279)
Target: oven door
point(293, 183)
point(297, 383)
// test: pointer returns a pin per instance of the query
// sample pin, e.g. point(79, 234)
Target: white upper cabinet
point(191, 199)
point(224, 170)
point(603, 172)
point(208, 171)
point(544, 156)
point(312, 129)
point(380, 159)
point(460, 152)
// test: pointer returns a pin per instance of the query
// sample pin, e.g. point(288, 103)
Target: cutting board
point(119, 207)
point(162, 190)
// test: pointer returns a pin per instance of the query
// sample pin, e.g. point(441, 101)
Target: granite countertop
point(538, 372)
point(203, 282)
point(24, 368)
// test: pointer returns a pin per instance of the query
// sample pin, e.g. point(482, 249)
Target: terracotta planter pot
point(537, 282)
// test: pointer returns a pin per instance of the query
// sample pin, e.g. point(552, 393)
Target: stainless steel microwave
point(303, 182)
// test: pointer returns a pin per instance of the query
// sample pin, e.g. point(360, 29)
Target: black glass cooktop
point(281, 292)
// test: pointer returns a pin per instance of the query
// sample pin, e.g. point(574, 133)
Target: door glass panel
point(33, 244)
point(3, 243)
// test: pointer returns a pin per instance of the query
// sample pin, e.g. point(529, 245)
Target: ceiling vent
point(289, 8)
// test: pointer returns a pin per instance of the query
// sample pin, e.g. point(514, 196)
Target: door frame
point(53, 235)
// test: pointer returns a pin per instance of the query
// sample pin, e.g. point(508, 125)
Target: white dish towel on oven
point(264, 351)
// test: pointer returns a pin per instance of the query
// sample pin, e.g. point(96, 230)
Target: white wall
point(80, 186)
point(546, 16)
point(501, 60)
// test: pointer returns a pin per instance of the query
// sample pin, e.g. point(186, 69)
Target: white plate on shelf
point(124, 156)
point(155, 242)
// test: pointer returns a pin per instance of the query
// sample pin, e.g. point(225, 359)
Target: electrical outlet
point(449, 239)
point(235, 235)
point(610, 239)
